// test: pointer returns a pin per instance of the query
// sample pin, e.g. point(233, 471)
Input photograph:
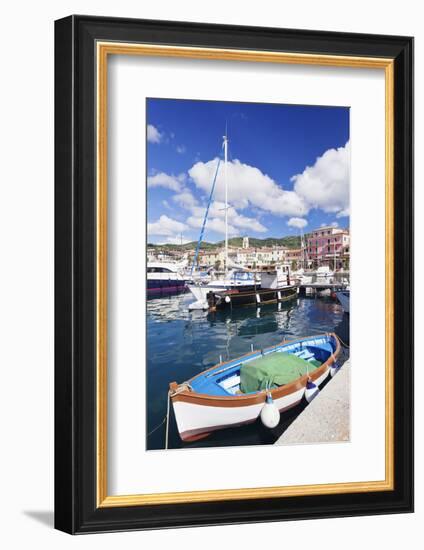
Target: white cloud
point(343, 213)
point(185, 199)
point(332, 224)
point(166, 226)
point(217, 211)
point(153, 134)
point(165, 180)
point(181, 149)
point(325, 185)
point(248, 223)
point(248, 186)
point(300, 223)
point(175, 240)
point(213, 224)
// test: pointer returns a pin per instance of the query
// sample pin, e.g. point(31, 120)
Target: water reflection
point(181, 343)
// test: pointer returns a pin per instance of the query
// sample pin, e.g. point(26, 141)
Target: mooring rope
point(157, 427)
point(182, 387)
point(343, 343)
point(167, 421)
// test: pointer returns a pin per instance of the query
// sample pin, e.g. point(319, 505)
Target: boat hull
point(196, 420)
point(162, 286)
point(229, 299)
point(200, 292)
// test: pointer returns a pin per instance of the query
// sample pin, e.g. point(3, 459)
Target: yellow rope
point(167, 421)
point(344, 343)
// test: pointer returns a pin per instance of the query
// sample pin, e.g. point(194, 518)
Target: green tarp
point(273, 370)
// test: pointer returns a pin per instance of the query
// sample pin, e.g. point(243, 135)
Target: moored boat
point(234, 280)
point(234, 393)
point(165, 278)
point(273, 288)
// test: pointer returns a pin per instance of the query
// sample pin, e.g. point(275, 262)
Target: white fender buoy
point(279, 295)
point(311, 391)
point(270, 415)
point(227, 299)
point(334, 369)
point(258, 299)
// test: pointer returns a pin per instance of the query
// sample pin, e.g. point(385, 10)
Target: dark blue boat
point(164, 278)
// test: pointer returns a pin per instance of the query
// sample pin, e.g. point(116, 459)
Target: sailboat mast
point(302, 248)
point(226, 201)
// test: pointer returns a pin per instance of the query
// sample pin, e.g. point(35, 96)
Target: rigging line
point(199, 242)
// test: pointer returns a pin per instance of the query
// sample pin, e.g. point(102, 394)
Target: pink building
point(329, 246)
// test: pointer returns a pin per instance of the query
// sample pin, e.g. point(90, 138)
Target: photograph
point(220, 191)
point(247, 274)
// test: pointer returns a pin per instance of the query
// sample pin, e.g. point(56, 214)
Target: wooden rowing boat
point(220, 397)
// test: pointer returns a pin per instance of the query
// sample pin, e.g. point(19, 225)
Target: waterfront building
point(295, 257)
point(260, 257)
point(329, 246)
point(165, 255)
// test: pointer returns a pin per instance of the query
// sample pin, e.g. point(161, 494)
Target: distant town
point(323, 246)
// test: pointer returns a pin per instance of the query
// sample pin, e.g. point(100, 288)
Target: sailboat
point(239, 286)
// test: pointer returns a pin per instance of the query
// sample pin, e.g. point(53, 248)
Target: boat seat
point(209, 386)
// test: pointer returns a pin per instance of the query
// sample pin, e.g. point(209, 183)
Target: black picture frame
point(76, 509)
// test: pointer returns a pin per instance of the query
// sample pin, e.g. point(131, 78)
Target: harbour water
point(180, 344)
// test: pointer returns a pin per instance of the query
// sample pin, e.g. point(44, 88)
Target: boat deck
point(289, 362)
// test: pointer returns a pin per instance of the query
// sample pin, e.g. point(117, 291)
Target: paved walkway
point(327, 418)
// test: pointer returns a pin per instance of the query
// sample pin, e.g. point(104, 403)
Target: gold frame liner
point(104, 49)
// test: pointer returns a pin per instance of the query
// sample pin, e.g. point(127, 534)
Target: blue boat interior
point(224, 379)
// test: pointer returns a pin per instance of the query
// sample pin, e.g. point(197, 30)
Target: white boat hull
point(200, 292)
point(194, 420)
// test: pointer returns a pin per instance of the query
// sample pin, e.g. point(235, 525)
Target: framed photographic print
point(234, 288)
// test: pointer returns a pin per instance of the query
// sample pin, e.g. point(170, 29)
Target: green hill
point(290, 242)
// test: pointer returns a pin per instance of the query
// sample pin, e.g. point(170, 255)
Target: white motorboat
point(234, 279)
point(165, 278)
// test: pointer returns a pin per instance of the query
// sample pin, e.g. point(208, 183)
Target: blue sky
point(288, 168)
